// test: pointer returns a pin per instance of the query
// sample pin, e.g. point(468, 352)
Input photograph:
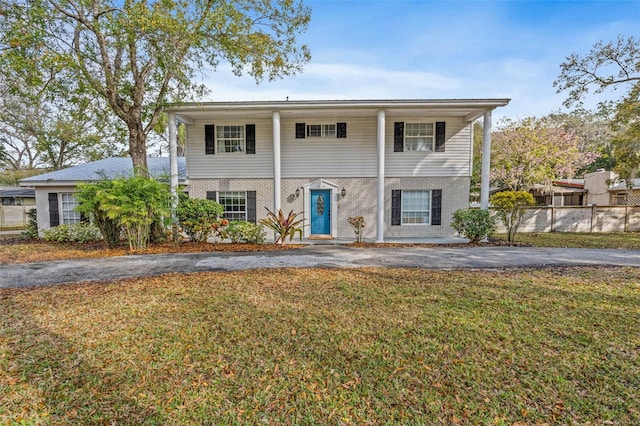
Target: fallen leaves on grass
point(317, 346)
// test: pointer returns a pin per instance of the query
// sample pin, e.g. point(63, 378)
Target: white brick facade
point(360, 200)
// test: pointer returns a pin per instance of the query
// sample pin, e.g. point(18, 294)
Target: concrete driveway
point(317, 256)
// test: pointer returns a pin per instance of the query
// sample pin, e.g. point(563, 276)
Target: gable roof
point(109, 168)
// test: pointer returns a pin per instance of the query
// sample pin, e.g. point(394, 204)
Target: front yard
point(311, 346)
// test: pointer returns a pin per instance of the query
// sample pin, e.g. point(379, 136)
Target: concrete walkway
point(315, 256)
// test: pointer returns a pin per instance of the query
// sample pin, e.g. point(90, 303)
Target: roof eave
point(323, 104)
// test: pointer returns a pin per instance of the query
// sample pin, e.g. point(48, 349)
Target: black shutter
point(300, 130)
point(250, 134)
point(398, 137)
point(211, 195)
point(436, 207)
point(209, 139)
point(251, 206)
point(396, 207)
point(54, 211)
point(440, 136)
point(341, 130)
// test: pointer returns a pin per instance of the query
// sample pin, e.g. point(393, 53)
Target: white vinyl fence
point(580, 219)
point(12, 217)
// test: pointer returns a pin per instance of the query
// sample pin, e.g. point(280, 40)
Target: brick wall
point(360, 200)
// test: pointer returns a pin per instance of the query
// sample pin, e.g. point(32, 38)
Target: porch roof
point(469, 109)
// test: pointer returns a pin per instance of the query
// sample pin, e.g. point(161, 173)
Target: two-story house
point(404, 165)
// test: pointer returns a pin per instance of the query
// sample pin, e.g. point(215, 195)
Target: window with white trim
point(234, 203)
point(416, 207)
point(230, 138)
point(68, 204)
point(321, 130)
point(418, 136)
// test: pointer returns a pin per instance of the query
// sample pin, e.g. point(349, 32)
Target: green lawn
point(621, 240)
point(314, 346)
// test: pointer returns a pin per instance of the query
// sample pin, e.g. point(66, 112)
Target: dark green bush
point(197, 217)
point(474, 224)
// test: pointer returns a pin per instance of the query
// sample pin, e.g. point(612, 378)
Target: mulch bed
point(19, 250)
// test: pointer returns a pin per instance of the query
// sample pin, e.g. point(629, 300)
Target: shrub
point(510, 207)
point(219, 228)
point(283, 226)
point(474, 224)
point(246, 232)
point(197, 217)
point(358, 224)
point(135, 203)
point(31, 231)
point(90, 197)
point(75, 233)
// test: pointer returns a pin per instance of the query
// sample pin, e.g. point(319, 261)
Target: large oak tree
point(610, 66)
point(137, 55)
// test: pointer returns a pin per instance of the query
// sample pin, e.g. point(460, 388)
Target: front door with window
point(320, 212)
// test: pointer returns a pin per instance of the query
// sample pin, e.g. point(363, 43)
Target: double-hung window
point(230, 138)
point(416, 207)
point(321, 130)
point(418, 136)
point(234, 203)
point(68, 203)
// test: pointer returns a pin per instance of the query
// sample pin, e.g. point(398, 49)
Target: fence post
point(553, 219)
point(592, 214)
point(626, 218)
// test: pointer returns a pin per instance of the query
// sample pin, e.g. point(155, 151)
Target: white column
point(380, 188)
point(173, 163)
point(486, 161)
point(276, 160)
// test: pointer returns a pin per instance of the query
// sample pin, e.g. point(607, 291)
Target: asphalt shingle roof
point(13, 192)
point(109, 168)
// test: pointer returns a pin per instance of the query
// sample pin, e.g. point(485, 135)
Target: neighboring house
point(562, 193)
point(599, 188)
point(54, 191)
point(404, 165)
point(11, 196)
point(606, 189)
point(14, 205)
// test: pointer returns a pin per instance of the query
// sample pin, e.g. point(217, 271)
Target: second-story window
point(321, 130)
point(418, 136)
point(230, 138)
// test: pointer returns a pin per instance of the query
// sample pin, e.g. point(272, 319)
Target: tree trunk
point(138, 149)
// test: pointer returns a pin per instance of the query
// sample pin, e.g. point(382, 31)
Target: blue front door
point(320, 211)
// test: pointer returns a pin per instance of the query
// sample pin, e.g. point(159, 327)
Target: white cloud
point(333, 81)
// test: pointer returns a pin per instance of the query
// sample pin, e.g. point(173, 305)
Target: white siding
point(42, 203)
point(236, 164)
point(453, 162)
point(353, 156)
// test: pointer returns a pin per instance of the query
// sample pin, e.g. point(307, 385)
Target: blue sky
point(397, 49)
